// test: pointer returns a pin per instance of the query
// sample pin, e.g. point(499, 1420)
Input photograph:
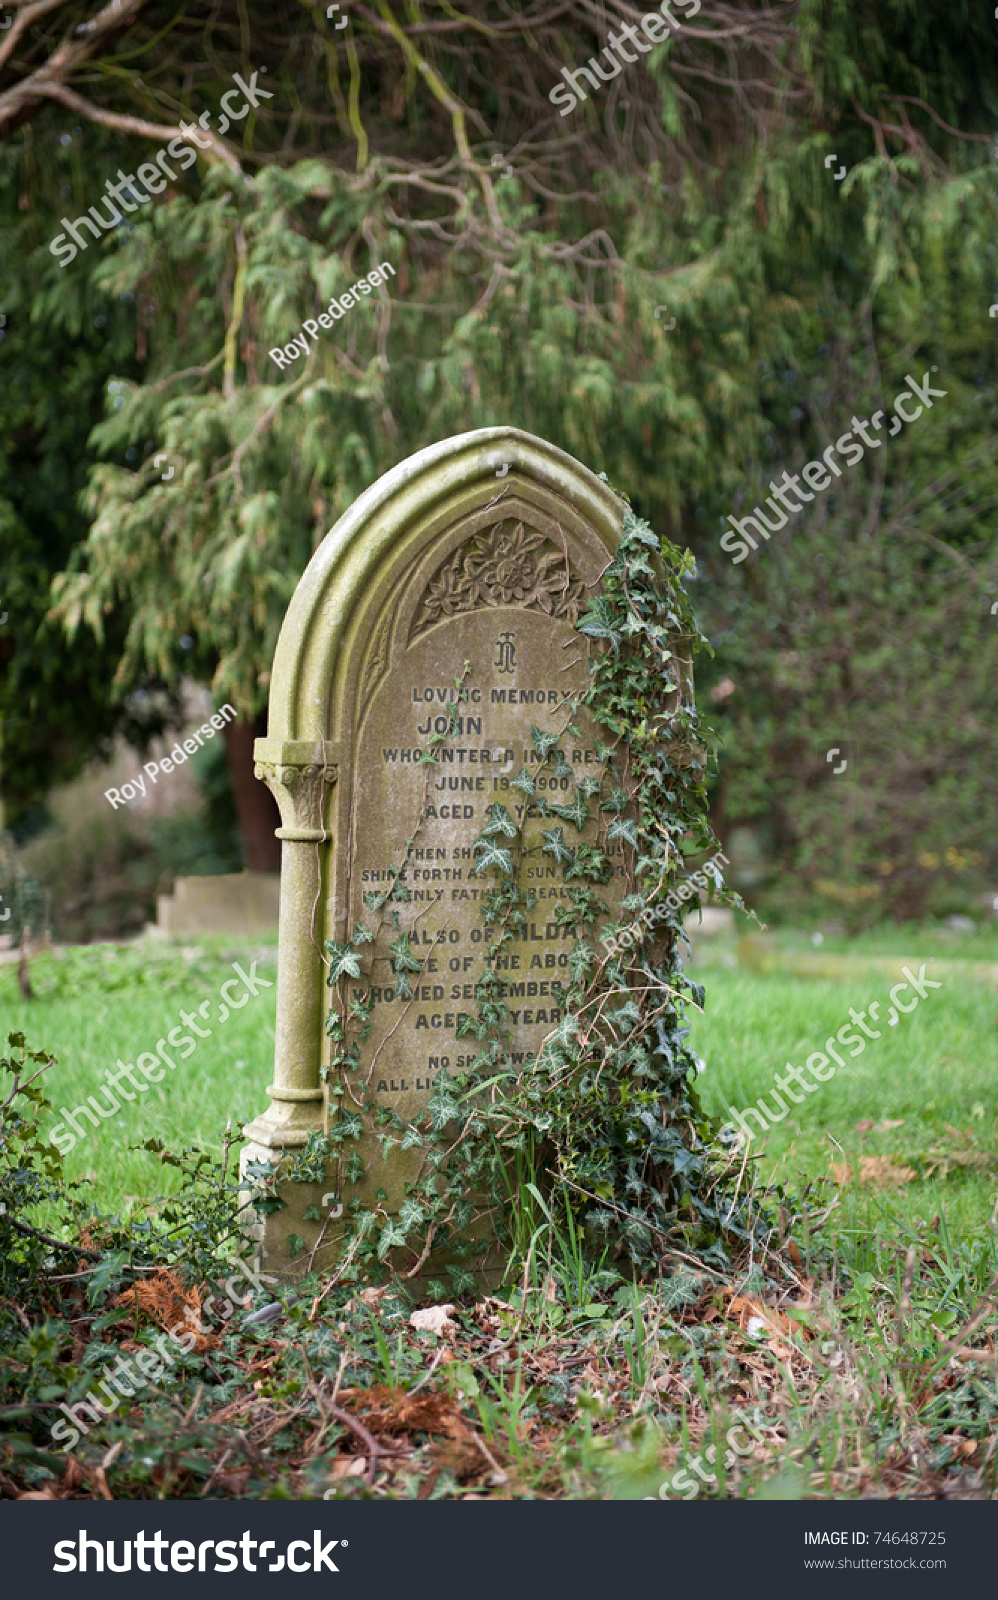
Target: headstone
point(225, 902)
point(448, 577)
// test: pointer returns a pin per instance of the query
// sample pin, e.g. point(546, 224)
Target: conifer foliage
point(669, 282)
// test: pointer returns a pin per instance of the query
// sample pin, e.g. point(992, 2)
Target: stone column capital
point(298, 774)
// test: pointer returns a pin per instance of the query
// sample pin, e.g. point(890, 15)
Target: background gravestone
point(443, 571)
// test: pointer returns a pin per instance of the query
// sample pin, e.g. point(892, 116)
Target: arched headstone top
point(486, 519)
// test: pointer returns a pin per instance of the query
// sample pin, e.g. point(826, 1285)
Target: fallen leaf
point(367, 1297)
point(165, 1299)
point(877, 1171)
point(756, 1319)
point(865, 1125)
point(370, 1297)
point(782, 1352)
point(434, 1319)
point(396, 1411)
point(233, 1484)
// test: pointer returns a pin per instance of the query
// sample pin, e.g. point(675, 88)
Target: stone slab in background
point(230, 902)
point(710, 922)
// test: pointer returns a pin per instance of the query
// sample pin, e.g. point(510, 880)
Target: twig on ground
point(372, 1448)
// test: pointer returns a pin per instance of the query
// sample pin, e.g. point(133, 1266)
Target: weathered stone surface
point(439, 572)
point(228, 902)
point(521, 665)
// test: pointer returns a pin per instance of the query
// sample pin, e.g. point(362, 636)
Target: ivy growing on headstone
point(605, 1112)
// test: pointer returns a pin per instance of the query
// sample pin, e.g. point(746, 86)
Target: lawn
point(918, 1105)
point(856, 1344)
point(921, 1098)
point(101, 1003)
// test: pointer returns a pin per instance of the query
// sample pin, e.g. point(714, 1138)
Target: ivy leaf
point(554, 844)
point(499, 821)
point(392, 1234)
point(402, 957)
point(524, 780)
point(598, 622)
point(349, 1126)
point(354, 1169)
point(626, 1017)
point(566, 1031)
point(623, 828)
point(581, 960)
point(464, 1282)
point(343, 962)
point(411, 1214)
point(108, 1271)
point(443, 1108)
point(576, 812)
point(638, 528)
point(541, 741)
point(493, 856)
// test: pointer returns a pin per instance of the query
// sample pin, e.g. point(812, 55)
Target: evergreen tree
point(539, 258)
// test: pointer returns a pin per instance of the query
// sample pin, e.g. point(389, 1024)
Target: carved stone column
point(299, 778)
point(294, 771)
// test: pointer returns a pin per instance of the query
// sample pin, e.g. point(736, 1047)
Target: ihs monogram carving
point(509, 565)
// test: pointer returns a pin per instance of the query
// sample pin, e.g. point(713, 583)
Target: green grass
point(99, 1003)
point(579, 1385)
point(934, 1074)
point(927, 938)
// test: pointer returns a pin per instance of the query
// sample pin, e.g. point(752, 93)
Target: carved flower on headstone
point(509, 567)
point(501, 568)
